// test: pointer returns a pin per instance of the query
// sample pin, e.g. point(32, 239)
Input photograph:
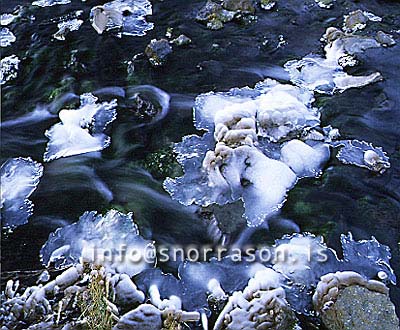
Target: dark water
point(344, 199)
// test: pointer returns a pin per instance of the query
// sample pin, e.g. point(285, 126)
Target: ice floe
point(112, 241)
point(240, 156)
point(362, 154)
point(122, 17)
point(49, 3)
point(66, 26)
point(8, 68)
point(7, 19)
point(19, 179)
point(6, 37)
point(327, 75)
point(81, 130)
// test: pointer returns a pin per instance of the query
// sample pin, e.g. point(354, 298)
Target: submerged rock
point(122, 17)
point(19, 179)
point(9, 68)
point(6, 37)
point(345, 300)
point(157, 51)
point(81, 130)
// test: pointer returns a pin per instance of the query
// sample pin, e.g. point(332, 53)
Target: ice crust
point(8, 68)
point(233, 159)
point(124, 17)
point(19, 179)
point(80, 130)
point(112, 241)
point(6, 37)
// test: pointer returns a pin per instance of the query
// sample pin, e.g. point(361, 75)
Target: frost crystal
point(112, 241)
point(8, 68)
point(19, 179)
point(122, 17)
point(6, 37)
point(80, 130)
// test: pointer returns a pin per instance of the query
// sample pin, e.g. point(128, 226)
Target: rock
point(386, 40)
point(182, 40)
point(214, 15)
point(242, 6)
point(356, 20)
point(157, 52)
point(358, 308)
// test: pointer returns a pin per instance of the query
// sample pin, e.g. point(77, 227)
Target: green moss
point(162, 164)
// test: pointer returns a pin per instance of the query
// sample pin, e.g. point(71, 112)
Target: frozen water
point(112, 241)
point(239, 155)
point(80, 130)
point(122, 17)
point(19, 179)
point(6, 19)
point(362, 154)
point(49, 3)
point(326, 75)
point(8, 68)
point(304, 258)
point(6, 37)
point(67, 26)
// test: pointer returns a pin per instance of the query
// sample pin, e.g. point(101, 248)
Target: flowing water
point(343, 199)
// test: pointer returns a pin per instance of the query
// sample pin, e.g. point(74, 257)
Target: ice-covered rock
point(346, 300)
point(49, 3)
point(81, 130)
point(303, 259)
point(19, 179)
point(326, 75)
point(144, 317)
point(126, 292)
point(8, 68)
point(358, 19)
point(122, 17)
point(362, 154)
point(261, 305)
point(6, 37)
point(239, 157)
point(112, 241)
